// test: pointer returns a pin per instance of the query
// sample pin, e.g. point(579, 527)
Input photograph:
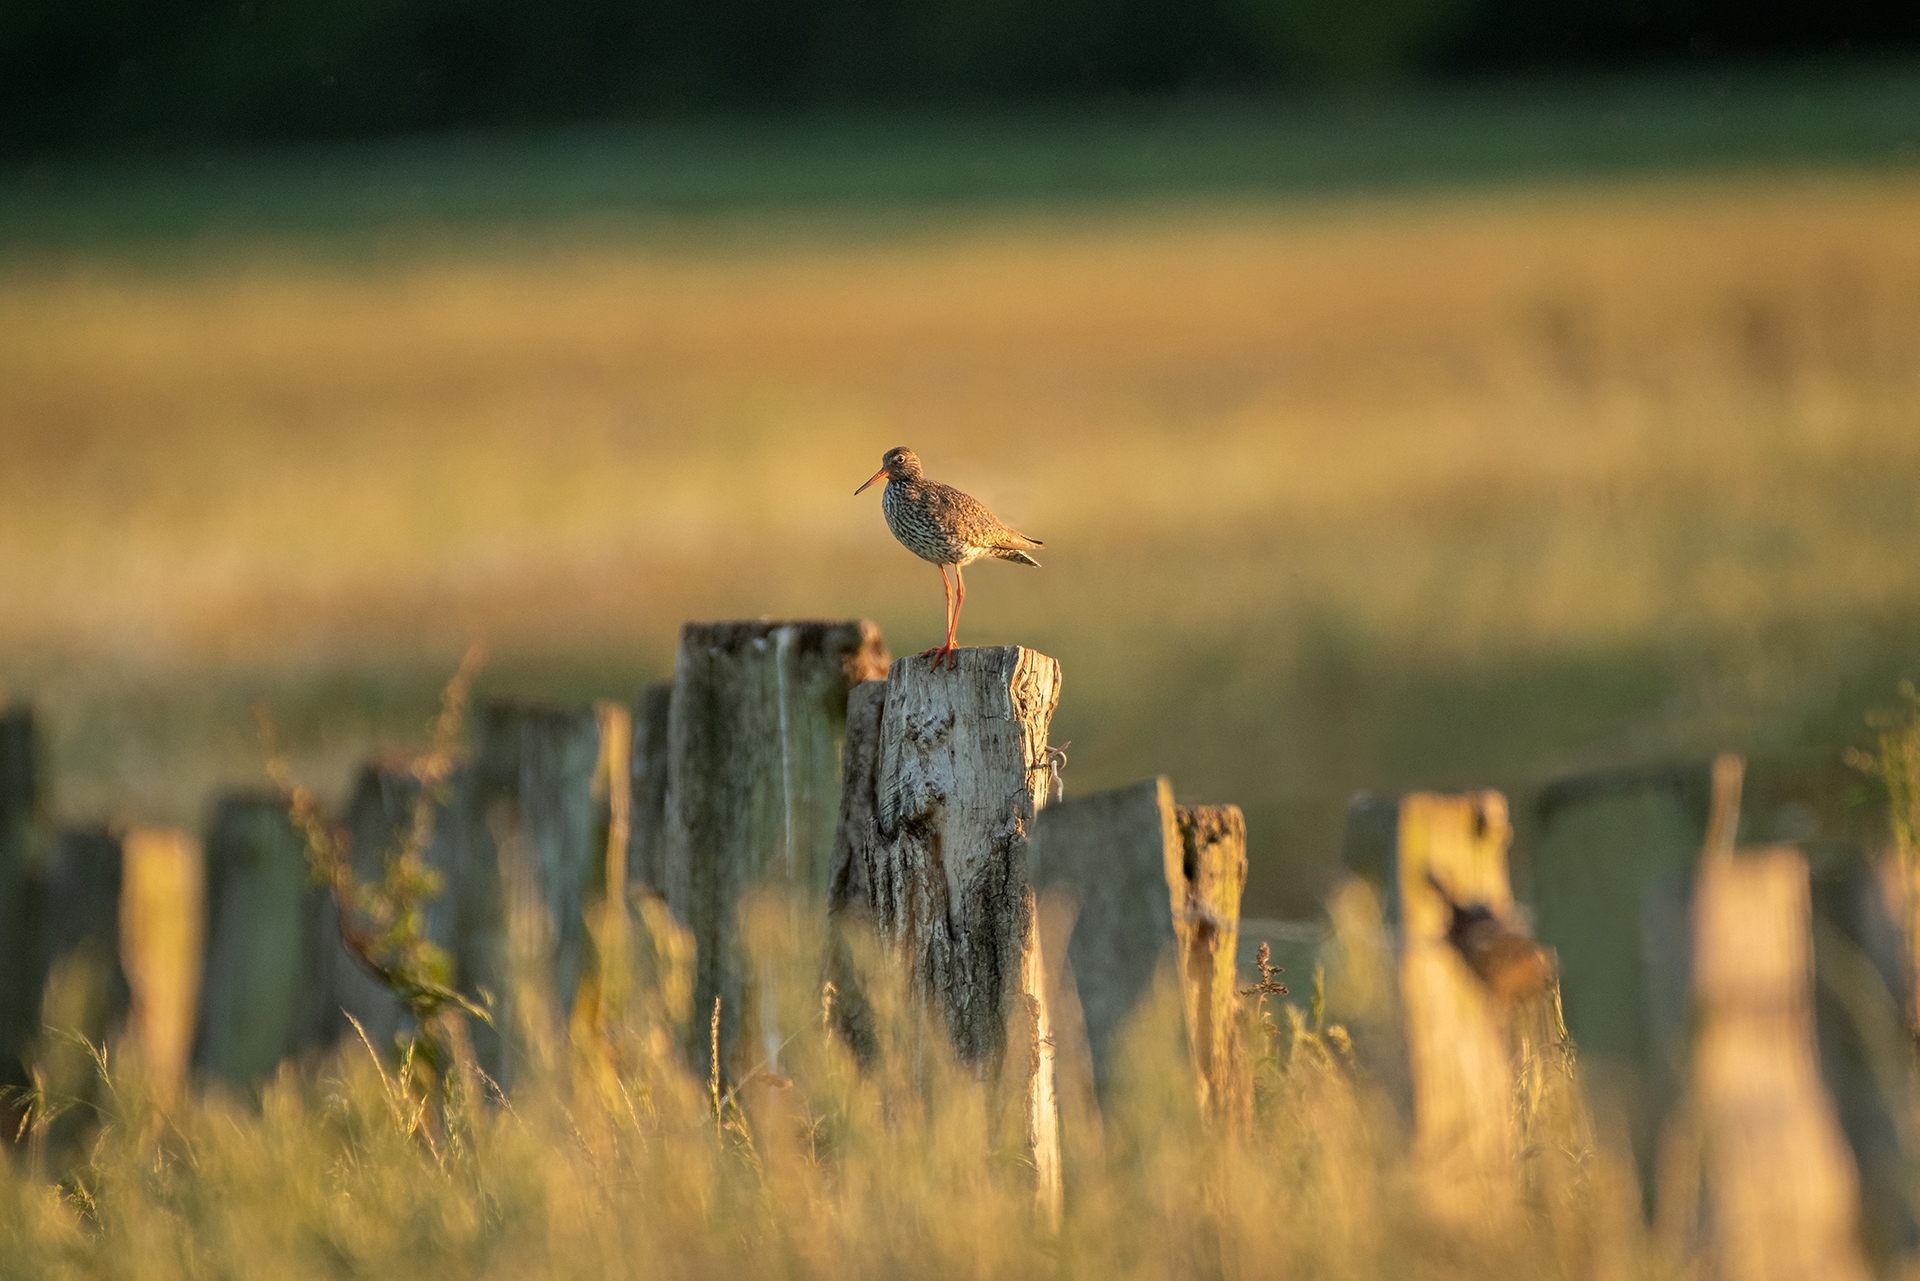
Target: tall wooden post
point(269, 943)
point(855, 840)
point(1781, 1183)
point(961, 778)
point(1452, 856)
point(755, 725)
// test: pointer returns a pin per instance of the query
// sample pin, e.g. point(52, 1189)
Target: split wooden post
point(962, 754)
point(1205, 884)
point(532, 836)
point(1781, 1183)
point(753, 779)
point(269, 943)
point(1452, 855)
point(162, 915)
point(646, 833)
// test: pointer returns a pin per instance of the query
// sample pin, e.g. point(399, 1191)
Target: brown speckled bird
point(939, 523)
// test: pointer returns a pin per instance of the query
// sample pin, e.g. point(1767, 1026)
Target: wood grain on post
point(1452, 853)
point(647, 836)
point(1205, 882)
point(1781, 1183)
point(162, 924)
point(961, 778)
point(269, 943)
point(755, 726)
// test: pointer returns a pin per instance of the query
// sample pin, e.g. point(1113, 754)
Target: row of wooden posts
point(926, 803)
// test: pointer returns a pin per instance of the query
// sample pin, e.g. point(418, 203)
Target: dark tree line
point(79, 74)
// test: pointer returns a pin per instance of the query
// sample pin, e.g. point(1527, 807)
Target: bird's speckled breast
point(920, 531)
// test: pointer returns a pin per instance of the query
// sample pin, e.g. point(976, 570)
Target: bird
point(937, 522)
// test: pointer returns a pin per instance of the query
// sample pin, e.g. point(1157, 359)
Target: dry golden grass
point(1352, 493)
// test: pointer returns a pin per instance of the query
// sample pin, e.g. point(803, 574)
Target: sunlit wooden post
point(1452, 854)
point(1781, 1184)
point(753, 779)
point(962, 775)
point(269, 943)
point(162, 915)
point(1205, 882)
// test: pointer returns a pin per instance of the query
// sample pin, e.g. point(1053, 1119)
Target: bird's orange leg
point(959, 600)
point(952, 616)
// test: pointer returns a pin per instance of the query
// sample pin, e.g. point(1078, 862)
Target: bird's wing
point(971, 518)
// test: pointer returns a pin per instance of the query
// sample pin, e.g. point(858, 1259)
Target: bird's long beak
point(876, 476)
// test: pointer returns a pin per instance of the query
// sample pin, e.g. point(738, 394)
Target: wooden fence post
point(162, 924)
point(19, 813)
point(1100, 866)
point(1782, 1185)
point(961, 777)
point(849, 896)
point(531, 828)
point(379, 817)
point(77, 973)
point(646, 833)
point(753, 780)
point(269, 943)
point(1205, 883)
point(1452, 857)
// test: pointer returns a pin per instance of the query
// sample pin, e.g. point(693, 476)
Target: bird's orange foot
point(937, 653)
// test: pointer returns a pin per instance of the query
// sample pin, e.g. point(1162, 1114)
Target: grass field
point(1428, 488)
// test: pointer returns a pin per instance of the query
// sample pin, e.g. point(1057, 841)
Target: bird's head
point(897, 463)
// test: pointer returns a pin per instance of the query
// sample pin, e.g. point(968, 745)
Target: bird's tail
point(1014, 554)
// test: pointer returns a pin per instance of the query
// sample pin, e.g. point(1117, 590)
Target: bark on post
point(1205, 884)
point(646, 835)
point(962, 755)
point(1452, 856)
point(1101, 866)
point(531, 829)
point(269, 943)
point(1781, 1182)
point(162, 914)
point(755, 726)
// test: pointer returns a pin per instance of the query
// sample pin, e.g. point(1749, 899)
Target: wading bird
point(939, 523)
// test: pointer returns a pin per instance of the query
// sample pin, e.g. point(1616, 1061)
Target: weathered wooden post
point(962, 775)
point(531, 831)
point(753, 783)
point(162, 915)
point(849, 897)
point(1205, 883)
point(1781, 1184)
point(646, 832)
point(269, 943)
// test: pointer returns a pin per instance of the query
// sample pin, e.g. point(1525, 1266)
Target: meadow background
point(1350, 476)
